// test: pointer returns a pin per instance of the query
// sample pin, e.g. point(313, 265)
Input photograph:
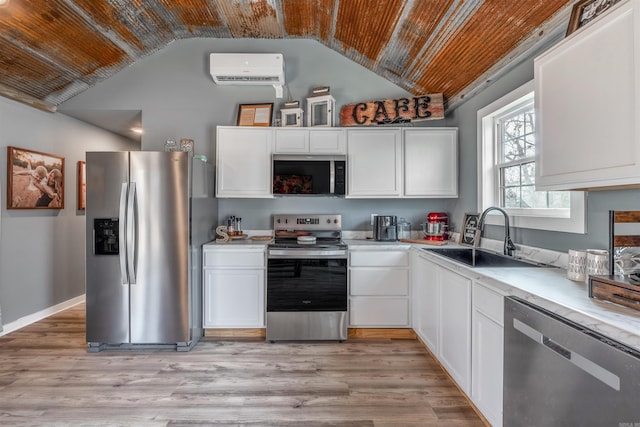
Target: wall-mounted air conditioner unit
point(248, 69)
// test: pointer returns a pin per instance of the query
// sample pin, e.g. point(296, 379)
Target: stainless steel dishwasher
point(557, 373)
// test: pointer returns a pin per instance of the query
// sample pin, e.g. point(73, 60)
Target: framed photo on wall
point(585, 11)
point(469, 228)
point(82, 186)
point(254, 114)
point(35, 180)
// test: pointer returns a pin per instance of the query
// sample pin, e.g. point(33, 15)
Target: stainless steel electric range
point(307, 279)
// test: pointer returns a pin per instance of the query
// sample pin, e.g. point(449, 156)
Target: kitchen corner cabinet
point(310, 141)
point(379, 287)
point(487, 352)
point(243, 160)
point(430, 160)
point(374, 163)
point(588, 104)
point(442, 316)
point(234, 287)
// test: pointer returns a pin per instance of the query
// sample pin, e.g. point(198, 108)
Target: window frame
point(572, 220)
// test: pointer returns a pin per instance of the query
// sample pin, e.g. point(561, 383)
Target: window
point(507, 147)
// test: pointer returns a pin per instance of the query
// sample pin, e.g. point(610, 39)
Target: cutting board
point(425, 242)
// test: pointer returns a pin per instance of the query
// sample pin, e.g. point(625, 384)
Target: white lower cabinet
point(442, 316)
point(425, 300)
point(379, 287)
point(455, 326)
point(487, 352)
point(234, 287)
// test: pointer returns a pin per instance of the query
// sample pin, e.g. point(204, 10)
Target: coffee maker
point(384, 228)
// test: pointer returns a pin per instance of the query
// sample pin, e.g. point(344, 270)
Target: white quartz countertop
point(549, 288)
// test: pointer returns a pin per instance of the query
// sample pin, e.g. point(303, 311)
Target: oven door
point(303, 284)
point(306, 296)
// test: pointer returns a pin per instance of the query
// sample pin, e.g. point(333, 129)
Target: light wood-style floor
point(48, 378)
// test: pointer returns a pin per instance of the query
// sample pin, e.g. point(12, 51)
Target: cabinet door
point(327, 141)
point(455, 327)
point(374, 163)
point(291, 140)
point(243, 159)
point(431, 162)
point(425, 297)
point(587, 104)
point(487, 367)
point(383, 312)
point(233, 298)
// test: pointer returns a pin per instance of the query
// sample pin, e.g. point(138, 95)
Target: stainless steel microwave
point(309, 174)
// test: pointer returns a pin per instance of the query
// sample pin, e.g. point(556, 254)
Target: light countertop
point(548, 288)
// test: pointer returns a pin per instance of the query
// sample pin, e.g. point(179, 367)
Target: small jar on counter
point(404, 229)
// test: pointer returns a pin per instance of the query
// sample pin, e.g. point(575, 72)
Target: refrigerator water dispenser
point(105, 241)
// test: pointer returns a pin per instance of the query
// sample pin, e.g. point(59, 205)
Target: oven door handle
point(306, 254)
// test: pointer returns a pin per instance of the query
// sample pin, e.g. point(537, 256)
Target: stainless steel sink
point(482, 258)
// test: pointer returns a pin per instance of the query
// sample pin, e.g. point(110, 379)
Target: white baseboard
point(32, 318)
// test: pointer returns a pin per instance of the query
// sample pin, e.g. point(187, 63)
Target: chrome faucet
point(509, 247)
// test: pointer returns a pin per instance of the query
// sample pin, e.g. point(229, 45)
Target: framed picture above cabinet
point(585, 11)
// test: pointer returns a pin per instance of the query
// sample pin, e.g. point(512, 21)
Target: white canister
point(577, 268)
point(597, 262)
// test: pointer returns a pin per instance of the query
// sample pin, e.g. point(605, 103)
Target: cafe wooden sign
point(393, 111)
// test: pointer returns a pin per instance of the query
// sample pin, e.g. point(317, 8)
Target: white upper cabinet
point(310, 141)
point(374, 163)
point(411, 163)
point(289, 140)
point(431, 162)
point(587, 91)
point(243, 159)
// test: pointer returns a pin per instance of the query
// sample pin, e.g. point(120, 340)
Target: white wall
point(42, 251)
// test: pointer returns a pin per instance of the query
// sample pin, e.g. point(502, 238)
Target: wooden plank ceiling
point(52, 50)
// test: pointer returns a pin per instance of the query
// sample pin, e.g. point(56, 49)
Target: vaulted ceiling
point(52, 50)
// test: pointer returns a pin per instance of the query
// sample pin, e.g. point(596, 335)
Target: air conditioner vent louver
point(259, 79)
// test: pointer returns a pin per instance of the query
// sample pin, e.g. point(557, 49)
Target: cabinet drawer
point(234, 259)
point(379, 258)
point(382, 312)
point(489, 302)
point(377, 281)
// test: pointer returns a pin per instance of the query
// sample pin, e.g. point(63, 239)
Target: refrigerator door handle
point(131, 233)
point(122, 229)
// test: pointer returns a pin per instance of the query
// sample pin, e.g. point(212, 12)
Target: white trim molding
point(42, 314)
point(572, 220)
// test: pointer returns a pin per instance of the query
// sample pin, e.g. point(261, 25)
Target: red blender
point(436, 226)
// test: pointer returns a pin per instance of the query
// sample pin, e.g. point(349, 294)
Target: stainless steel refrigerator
point(139, 289)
